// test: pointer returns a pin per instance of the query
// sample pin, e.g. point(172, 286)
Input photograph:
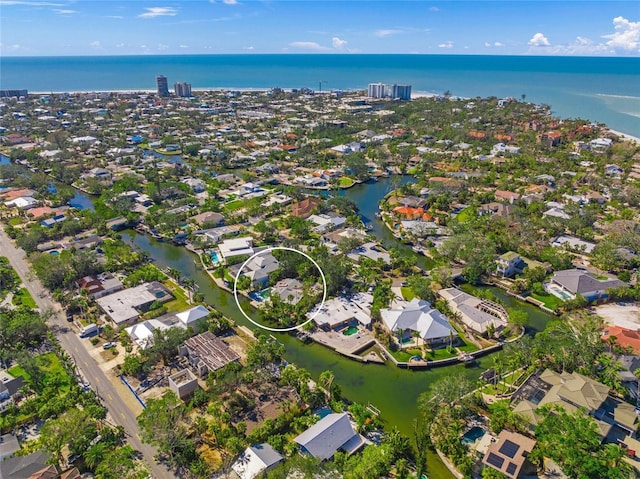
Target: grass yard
point(465, 215)
point(52, 368)
point(346, 182)
point(441, 353)
point(549, 300)
point(405, 355)
point(407, 293)
point(23, 297)
point(181, 301)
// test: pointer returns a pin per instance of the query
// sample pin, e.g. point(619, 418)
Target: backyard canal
point(394, 391)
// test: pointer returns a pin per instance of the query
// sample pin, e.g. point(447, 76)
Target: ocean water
point(602, 89)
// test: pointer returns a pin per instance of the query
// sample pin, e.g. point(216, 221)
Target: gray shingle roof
point(323, 439)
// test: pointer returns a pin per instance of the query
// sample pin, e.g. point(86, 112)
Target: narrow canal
point(393, 390)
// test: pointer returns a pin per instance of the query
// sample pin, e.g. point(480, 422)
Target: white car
point(109, 345)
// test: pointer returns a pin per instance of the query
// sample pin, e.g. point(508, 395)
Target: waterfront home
point(206, 352)
point(369, 250)
point(511, 263)
point(258, 269)
point(289, 290)
point(575, 392)
point(571, 282)
point(332, 433)
point(255, 461)
point(236, 247)
point(304, 208)
point(344, 311)
point(327, 222)
point(509, 454)
point(478, 315)
point(125, 306)
point(22, 202)
point(419, 317)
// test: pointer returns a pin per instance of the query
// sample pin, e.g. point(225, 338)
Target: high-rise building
point(182, 89)
point(377, 90)
point(163, 85)
point(402, 92)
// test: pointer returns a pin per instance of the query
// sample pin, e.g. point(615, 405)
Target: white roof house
point(236, 247)
point(477, 314)
point(192, 315)
point(327, 436)
point(255, 460)
point(418, 315)
point(260, 267)
point(124, 305)
point(338, 311)
point(22, 202)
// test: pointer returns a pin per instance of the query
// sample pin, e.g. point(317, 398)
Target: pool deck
point(347, 345)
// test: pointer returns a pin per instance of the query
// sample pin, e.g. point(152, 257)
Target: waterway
point(393, 390)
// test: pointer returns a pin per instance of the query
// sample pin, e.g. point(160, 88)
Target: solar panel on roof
point(511, 469)
point(509, 449)
point(495, 461)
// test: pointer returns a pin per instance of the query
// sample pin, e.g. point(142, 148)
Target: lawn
point(23, 297)
point(407, 293)
point(51, 366)
point(549, 300)
point(405, 355)
point(346, 182)
point(233, 205)
point(181, 301)
point(441, 353)
point(465, 215)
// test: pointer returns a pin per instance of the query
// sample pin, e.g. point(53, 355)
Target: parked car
point(109, 345)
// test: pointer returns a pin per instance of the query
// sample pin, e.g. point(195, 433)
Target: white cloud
point(312, 46)
point(539, 40)
point(117, 17)
point(183, 46)
point(487, 44)
point(10, 48)
point(162, 46)
point(119, 45)
point(387, 32)
point(250, 48)
point(96, 44)
point(230, 2)
point(61, 11)
point(498, 44)
point(338, 43)
point(8, 3)
point(626, 36)
point(152, 12)
point(434, 9)
point(448, 44)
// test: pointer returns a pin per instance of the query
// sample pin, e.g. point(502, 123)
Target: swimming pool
point(214, 257)
point(350, 330)
point(472, 435)
point(264, 294)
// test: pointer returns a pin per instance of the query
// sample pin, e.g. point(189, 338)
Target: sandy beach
point(624, 136)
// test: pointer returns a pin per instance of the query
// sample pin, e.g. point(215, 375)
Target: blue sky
point(132, 27)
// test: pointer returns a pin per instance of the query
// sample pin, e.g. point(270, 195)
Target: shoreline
point(414, 95)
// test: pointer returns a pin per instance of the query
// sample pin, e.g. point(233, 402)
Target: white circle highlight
point(273, 248)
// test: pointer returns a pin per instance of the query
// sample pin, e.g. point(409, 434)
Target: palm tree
point(326, 380)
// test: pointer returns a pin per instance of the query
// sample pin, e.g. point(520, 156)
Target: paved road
point(89, 369)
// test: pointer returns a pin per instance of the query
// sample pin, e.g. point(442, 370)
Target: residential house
point(32, 466)
point(326, 222)
point(304, 208)
point(258, 269)
point(370, 250)
point(578, 281)
point(574, 392)
point(573, 244)
point(497, 209)
point(236, 247)
point(125, 306)
point(332, 433)
point(623, 337)
point(51, 222)
point(100, 285)
point(10, 392)
point(23, 202)
point(289, 290)
point(479, 315)
point(507, 264)
point(336, 313)
point(9, 445)
point(509, 454)
point(613, 170)
point(508, 196)
point(256, 460)
point(207, 352)
point(208, 218)
point(196, 185)
point(417, 316)
point(143, 333)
